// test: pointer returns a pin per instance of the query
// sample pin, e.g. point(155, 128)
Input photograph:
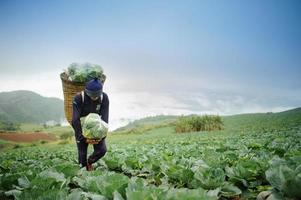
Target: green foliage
point(140, 129)
point(285, 177)
point(264, 121)
point(9, 126)
point(138, 189)
point(104, 183)
point(66, 135)
point(198, 123)
point(30, 127)
point(210, 178)
point(85, 72)
point(230, 164)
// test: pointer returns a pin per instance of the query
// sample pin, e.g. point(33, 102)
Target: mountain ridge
point(24, 106)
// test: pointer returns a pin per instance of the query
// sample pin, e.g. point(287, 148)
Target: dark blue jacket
point(89, 106)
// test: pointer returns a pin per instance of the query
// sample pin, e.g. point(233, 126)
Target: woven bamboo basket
point(70, 89)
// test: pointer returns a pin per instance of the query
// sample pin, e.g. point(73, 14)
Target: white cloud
point(47, 84)
point(136, 105)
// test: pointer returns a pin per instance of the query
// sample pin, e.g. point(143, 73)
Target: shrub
point(9, 126)
point(198, 123)
point(66, 135)
point(43, 142)
point(17, 146)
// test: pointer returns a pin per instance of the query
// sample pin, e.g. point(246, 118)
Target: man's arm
point(104, 110)
point(77, 104)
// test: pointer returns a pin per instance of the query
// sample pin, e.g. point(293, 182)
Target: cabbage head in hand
point(94, 127)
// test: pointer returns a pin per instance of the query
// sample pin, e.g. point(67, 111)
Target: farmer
point(91, 100)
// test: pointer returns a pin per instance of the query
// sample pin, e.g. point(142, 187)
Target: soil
point(26, 137)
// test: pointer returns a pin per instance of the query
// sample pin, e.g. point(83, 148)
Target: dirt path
point(26, 137)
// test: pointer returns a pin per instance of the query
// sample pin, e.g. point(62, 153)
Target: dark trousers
point(100, 150)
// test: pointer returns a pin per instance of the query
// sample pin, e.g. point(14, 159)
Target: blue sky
point(223, 57)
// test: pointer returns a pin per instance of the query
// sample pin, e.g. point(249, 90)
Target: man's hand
point(92, 141)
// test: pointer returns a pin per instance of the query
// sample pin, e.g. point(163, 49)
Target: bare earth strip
point(26, 137)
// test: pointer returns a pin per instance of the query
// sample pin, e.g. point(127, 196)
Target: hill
point(148, 121)
point(240, 121)
point(29, 107)
point(271, 120)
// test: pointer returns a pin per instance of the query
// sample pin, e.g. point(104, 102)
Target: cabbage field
point(254, 153)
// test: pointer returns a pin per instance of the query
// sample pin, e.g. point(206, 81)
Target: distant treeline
point(9, 126)
point(196, 123)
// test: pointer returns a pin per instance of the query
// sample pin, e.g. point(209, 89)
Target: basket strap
point(83, 96)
